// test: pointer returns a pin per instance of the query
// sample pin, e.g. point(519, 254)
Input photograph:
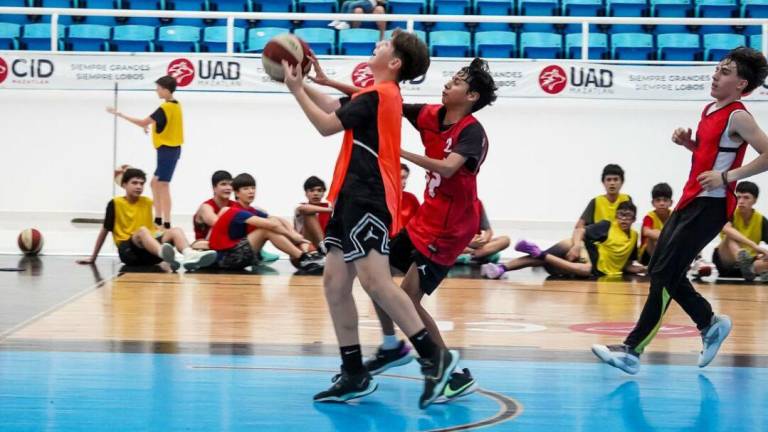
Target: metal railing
point(409, 19)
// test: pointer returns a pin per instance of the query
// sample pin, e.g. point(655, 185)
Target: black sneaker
point(389, 358)
point(461, 384)
point(347, 387)
point(437, 371)
point(311, 260)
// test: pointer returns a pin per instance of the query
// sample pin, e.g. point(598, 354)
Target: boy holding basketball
point(129, 219)
point(167, 137)
point(725, 130)
point(365, 194)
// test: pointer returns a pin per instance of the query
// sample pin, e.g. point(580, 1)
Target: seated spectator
point(241, 231)
point(129, 219)
point(484, 247)
point(601, 207)
point(361, 7)
point(611, 251)
point(653, 222)
point(208, 212)
point(409, 204)
point(739, 253)
point(311, 217)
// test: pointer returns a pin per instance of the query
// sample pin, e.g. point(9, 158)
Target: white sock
point(390, 342)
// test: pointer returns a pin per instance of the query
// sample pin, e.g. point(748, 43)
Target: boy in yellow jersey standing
point(611, 248)
point(653, 222)
point(167, 137)
point(739, 253)
point(129, 219)
point(601, 207)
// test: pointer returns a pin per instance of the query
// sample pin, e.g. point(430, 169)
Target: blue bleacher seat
point(273, 6)
point(678, 46)
point(627, 8)
point(259, 36)
point(146, 5)
point(496, 44)
point(754, 8)
point(586, 8)
point(89, 37)
point(178, 39)
point(450, 7)
point(537, 8)
point(493, 8)
point(100, 4)
point(358, 41)
point(756, 42)
point(228, 5)
point(55, 3)
point(134, 38)
point(406, 7)
point(421, 34)
point(631, 46)
point(194, 6)
point(317, 6)
point(716, 8)
point(450, 43)
point(716, 45)
point(598, 45)
point(215, 39)
point(9, 35)
point(38, 36)
point(671, 9)
point(321, 40)
point(18, 19)
point(541, 45)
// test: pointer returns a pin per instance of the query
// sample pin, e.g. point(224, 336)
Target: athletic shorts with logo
point(402, 254)
point(358, 226)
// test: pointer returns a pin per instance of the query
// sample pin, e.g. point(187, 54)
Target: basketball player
point(167, 137)
point(708, 201)
point(365, 194)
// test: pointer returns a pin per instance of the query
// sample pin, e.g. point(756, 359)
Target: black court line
point(490, 353)
point(508, 408)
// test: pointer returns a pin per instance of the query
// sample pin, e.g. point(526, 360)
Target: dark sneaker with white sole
point(347, 387)
point(437, 371)
point(388, 358)
point(461, 384)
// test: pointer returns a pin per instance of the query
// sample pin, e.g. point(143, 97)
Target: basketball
point(30, 241)
point(286, 47)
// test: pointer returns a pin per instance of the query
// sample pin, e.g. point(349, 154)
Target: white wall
point(544, 164)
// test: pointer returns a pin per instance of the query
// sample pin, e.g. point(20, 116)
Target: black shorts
point(589, 255)
point(357, 227)
point(402, 254)
point(725, 270)
point(237, 258)
point(132, 255)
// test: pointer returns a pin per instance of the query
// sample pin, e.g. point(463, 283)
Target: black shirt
point(471, 139)
point(363, 178)
point(109, 216)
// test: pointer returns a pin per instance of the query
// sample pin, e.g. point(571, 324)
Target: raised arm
point(326, 123)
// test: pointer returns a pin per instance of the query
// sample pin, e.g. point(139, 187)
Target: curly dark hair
point(478, 77)
point(750, 65)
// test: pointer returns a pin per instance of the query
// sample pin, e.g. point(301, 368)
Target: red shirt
point(450, 216)
point(201, 228)
point(709, 133)
point(409, 205)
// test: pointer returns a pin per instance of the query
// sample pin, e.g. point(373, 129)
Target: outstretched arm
point(445, 167)
point(322, 79)
point(326, 123)
point(142, 123)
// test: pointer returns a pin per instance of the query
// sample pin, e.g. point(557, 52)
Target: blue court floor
point(96, 391)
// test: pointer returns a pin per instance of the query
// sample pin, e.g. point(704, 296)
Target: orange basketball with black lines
point(288, 47)
point(30, 241)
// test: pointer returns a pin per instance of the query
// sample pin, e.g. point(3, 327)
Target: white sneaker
point(333, 23)
point(618, 356)
point(199, 259)
point(712, 337)
point(491, 271)
point(168, 254)
point(746, 265)
point(342, 25)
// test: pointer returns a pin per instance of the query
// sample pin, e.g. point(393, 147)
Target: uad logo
point(553, 79)
point(3, 70)
point(183, 70)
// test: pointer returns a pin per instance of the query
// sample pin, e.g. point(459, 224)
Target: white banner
point(515, 79)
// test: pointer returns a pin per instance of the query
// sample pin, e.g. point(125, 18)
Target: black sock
point(424, 344)
point(158, 221)
point(167, 225)
point(352, 359)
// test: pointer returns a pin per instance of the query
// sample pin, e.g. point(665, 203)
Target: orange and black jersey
point(470, 139)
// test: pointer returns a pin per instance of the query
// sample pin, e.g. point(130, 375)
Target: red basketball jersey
point(409, 205)
point(450, 215)
point(711, 153)
point(201, 229)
